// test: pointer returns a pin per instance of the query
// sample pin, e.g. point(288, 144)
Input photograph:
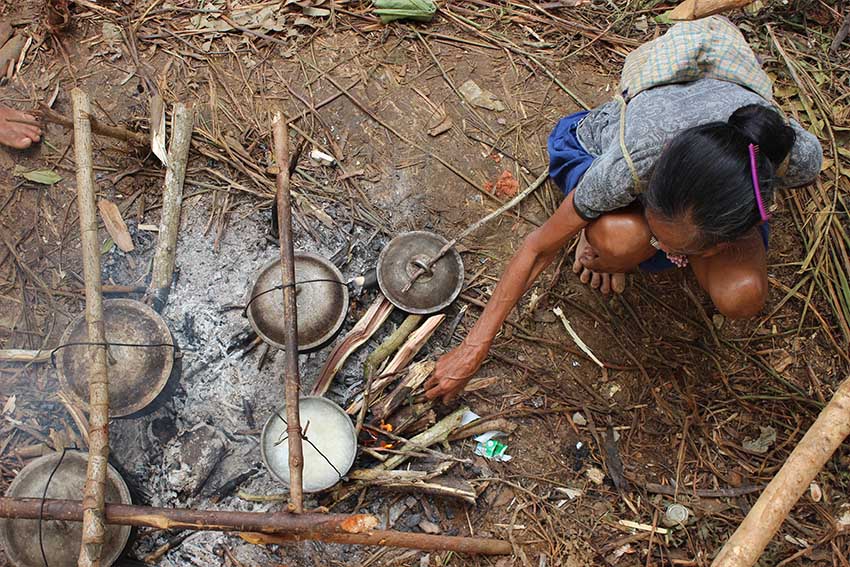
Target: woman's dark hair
point(704, 173)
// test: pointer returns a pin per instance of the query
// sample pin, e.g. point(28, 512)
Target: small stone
point(579, 419)
point(429, 527)
point(595, 475)
point(815, 492)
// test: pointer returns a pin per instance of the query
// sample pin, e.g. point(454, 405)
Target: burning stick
point(290, 312)
point(807, 459)
point(94, 524)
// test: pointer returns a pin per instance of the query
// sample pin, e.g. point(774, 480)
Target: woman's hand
point(454, 370)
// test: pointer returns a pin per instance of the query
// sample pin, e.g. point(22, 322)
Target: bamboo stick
point(774, 504)
point(182, 124)
point(290, 312)
point(94, 528)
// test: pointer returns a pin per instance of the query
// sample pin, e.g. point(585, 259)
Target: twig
point(97, 126)
point(475, 226)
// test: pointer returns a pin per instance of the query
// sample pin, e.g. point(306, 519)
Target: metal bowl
point(61, 539)
point(140, 378)
point(322, 306)
point(329, 449)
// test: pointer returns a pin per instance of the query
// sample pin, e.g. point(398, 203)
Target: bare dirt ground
point(683, 395)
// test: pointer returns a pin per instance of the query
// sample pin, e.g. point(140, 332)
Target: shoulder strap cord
point(626, 155)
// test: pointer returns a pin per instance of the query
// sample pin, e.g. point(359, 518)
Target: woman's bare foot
point(18, 130)
point(601, 281)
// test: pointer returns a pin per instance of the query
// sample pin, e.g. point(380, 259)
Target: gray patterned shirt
point(653, 118)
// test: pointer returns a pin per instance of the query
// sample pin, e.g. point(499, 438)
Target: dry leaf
point(42, 176)
point(477, 96)
point(316, 12)
point(115, 225)
point(157, 126)
point(782, 360)
point(442, 124)
point(9, 406)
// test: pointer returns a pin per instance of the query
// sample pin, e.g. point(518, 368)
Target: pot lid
point(432, 291)
point(322, 305)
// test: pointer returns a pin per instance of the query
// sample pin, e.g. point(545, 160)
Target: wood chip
point(115, 225)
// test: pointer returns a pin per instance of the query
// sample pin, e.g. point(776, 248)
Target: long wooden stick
point(182, 124)
point(290, 312)
point(807, 459)
point(94, 527)
point(358, 528)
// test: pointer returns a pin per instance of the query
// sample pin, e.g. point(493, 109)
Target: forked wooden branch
point(182, 124)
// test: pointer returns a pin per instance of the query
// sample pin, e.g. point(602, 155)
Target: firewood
point(405, 354)
point(356, 337)
point(415, 377)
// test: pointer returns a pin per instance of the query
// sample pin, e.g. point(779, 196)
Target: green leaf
point(108, 244)
point(42, 176)
point(664, 18)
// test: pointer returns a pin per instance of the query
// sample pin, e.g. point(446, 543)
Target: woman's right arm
point(455, 368)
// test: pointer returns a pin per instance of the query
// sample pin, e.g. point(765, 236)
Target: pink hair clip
point(754, 150)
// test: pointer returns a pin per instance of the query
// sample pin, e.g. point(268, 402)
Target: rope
point(41, 506)
point(305, 438)
point(626, 155)
point(109, 344)
point(281, 286)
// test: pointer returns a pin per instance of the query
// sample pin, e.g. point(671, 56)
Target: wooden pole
point(94, 527)
point(358, 528)
point(292, 380)
point(182, 124)
point(774, 504)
